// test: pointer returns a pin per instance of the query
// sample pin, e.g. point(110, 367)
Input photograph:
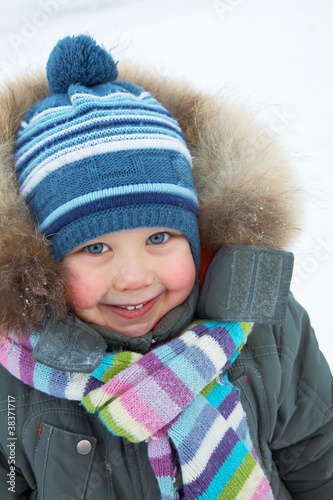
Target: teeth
point(131, 308)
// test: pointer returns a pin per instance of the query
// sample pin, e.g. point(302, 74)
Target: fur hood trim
point(248, 194)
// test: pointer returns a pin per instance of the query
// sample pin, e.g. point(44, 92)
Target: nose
point(132, 273)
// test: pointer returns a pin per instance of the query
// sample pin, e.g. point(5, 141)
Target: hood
point(248, 194)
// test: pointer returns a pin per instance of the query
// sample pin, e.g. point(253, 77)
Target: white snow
point(275, 56)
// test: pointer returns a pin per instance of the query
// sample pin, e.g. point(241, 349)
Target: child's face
point(150, 268)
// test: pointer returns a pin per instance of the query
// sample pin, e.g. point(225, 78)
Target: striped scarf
point(173, 394)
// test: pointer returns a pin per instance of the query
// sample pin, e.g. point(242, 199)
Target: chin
point(135, 332)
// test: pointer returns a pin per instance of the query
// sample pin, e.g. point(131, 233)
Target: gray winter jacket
point(63, 453)
point(248, 197)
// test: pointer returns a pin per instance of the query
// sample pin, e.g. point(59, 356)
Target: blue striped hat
point(100, 155)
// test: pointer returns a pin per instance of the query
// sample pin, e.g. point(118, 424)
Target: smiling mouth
point(133, 311)
point(131, 308)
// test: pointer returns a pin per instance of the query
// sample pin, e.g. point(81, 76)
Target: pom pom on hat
point(79, 60)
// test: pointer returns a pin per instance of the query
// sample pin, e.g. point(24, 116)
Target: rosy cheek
point(183, 274)
point(80, 298)
point(83, 292)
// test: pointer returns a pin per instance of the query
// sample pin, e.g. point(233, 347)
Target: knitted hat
point(100, 155)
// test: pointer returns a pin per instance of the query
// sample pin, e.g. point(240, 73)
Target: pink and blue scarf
point(175, 396)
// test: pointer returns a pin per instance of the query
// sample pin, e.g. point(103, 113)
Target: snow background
point(272, 55)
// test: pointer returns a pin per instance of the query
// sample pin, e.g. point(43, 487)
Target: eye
point(96, 248)
point(158, 238)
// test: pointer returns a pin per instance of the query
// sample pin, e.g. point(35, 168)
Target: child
point(128, 366)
